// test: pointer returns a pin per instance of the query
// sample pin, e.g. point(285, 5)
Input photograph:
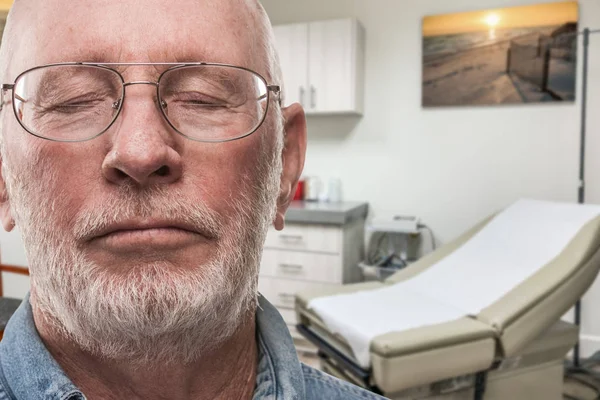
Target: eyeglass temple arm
point(276, 91)
point(5, 87)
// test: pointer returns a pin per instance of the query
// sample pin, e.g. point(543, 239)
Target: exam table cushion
point(503, 264)
point(396, 344)
point(400, 360)
point(540, 300)
point(513, 320)
point(412, 357)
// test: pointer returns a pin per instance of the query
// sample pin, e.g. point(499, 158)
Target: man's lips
point(145, 225)
point(151, 234)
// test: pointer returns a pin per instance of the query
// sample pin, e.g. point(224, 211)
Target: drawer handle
point(286, 297)
point(291, 267)
point(291, 238)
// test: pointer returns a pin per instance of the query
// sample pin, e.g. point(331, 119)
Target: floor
point(584, 384)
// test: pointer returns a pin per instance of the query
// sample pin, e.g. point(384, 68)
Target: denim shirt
point(28, 371)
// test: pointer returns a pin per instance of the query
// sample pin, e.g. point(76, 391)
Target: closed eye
point(72, 106)
point(202, 103)
point(197, 99)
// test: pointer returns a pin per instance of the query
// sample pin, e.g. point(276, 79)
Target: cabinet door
point(292, 45)
point(333, 47)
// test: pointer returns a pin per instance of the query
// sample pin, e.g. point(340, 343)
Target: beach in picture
point(525, 54)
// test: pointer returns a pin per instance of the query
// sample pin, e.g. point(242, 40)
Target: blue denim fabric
point(28, 371)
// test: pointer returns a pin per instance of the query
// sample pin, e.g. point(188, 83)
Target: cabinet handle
point(313, 97)
point(290, 238)
point(291, 267)
point(302, 93)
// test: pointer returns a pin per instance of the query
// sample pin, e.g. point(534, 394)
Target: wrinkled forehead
point(139, 31)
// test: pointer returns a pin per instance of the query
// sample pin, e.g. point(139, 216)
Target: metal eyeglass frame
point(275, 89)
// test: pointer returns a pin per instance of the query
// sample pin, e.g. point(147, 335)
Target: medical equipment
point(478, 317)
point(393, 244)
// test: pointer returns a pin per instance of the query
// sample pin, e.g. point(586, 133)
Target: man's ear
point(5, 214)
point(294, 153)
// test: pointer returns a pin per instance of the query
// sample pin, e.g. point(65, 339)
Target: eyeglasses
point(206, 102)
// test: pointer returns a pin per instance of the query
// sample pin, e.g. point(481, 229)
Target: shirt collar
point(30, 371)
point(28, 367)
point(279, 366)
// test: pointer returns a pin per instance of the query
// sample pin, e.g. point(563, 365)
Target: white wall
point(451, 167)
point(13, 253)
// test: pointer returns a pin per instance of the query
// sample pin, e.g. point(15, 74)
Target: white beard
point(146, 313)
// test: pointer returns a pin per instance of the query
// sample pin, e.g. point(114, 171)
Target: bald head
point(231, 31)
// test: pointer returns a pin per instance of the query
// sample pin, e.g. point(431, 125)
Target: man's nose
point(143, 148)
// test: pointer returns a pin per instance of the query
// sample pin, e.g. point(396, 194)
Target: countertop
point(305, 212)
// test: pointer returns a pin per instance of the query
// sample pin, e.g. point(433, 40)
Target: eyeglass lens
point(78, 102)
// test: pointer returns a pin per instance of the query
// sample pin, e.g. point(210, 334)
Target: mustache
point(150, 203)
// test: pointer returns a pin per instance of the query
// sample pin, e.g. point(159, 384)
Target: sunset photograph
point(514, 55)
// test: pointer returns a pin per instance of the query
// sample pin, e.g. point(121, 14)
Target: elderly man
point(144, 155)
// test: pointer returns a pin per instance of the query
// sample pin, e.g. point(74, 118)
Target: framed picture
point(525, 54)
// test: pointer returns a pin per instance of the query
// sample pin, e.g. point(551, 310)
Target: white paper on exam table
point(509, 249)
point(361, 316)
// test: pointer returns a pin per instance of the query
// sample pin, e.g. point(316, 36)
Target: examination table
point(479, 318)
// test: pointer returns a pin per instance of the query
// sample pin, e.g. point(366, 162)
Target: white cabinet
point(292, 45)
point(323, 65)
point(304, 257)
point(319, 248)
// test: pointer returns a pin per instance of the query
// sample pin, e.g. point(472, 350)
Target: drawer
point(289, 315)
point(282, 292)
point(302, 344)
point(316, 267)
point(319, 238)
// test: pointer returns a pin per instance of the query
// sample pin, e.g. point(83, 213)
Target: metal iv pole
point(581, 195)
